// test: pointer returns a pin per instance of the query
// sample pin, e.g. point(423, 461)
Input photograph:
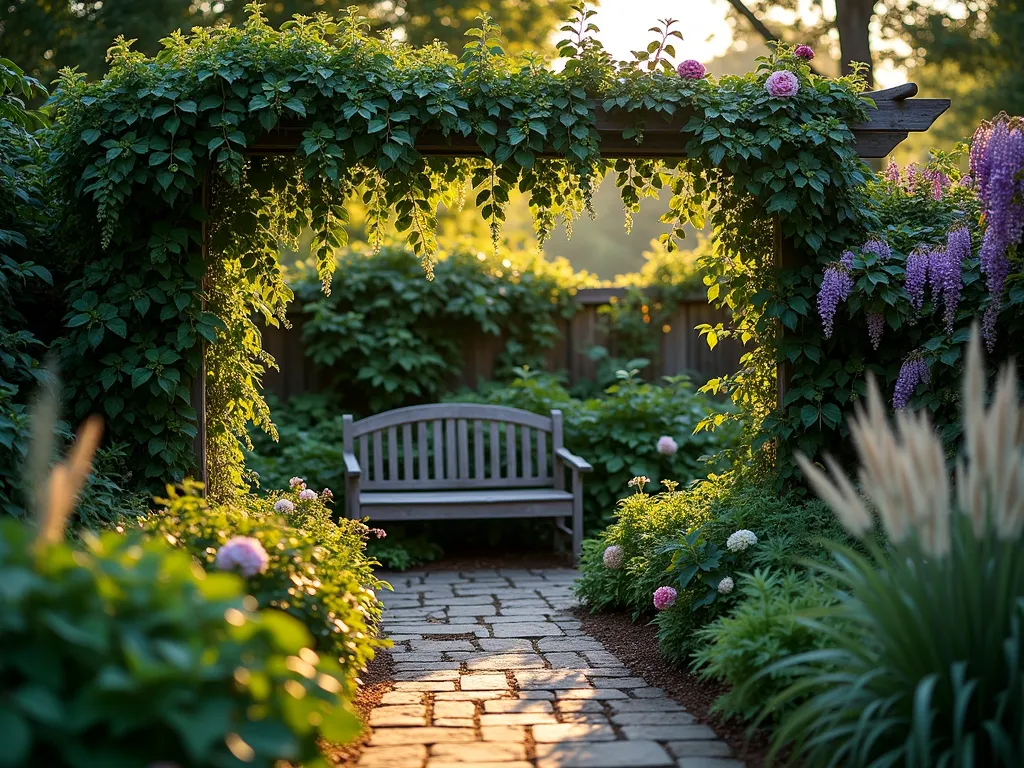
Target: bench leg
point(577, 516)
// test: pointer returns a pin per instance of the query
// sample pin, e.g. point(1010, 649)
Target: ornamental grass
point(927, 669)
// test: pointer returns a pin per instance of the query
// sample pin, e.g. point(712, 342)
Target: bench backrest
point(455, 445)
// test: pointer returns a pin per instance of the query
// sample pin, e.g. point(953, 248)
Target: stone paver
point(491, 672)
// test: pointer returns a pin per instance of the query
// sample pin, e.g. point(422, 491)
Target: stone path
point(491, 671)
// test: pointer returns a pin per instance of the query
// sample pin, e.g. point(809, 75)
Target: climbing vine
point(176, 211)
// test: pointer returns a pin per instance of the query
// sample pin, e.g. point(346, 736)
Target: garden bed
point(636, 646)
point(378, 679)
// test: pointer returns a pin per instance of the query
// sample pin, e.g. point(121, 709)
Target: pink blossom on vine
point(804, 52)
point(938, 180)
point(916, 278)
point(892, 173)
point(876, 325)
point(691, 69)
point(782, 84)
point(836, 285)
point(913, 372)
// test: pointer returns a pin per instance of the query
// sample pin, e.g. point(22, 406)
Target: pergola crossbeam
point(895, 115)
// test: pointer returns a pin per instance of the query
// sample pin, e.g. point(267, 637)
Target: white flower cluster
point(726, 585)
point(741, 540)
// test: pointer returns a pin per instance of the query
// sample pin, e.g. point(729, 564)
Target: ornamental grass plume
point(920, 661)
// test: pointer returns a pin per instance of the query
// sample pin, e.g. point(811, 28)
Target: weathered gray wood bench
point(445, 462)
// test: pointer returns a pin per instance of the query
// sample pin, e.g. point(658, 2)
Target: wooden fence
point(680, 348)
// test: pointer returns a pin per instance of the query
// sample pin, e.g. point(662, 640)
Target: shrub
point(650, 528)
point(318, 569)
point(927, 670)
point(123, 653)
point(763, 627)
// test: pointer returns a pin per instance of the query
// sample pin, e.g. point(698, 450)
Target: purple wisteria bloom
point(916, 278)
point(836, 285)
point(876, 326)
point(877, 246)
point(947, 275)
point(913, 372)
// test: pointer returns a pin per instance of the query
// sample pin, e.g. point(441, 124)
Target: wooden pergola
point(897, 112)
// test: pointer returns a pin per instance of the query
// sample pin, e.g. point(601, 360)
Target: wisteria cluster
point(997, 160)
point(876, 327)
point(913, 372)
point(947, 272)
point(836, 285)
point(878, 246)
point(916, 181)
point(916, 277)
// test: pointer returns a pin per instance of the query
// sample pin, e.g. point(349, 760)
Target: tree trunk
point(853, 20)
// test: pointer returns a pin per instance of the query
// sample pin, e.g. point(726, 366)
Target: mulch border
point(377, 680)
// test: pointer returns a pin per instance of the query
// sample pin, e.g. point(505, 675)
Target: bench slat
point(393, 453)
point(364, 456)
point(407, 452)
point(455, 483)
point(510, 450)
point(495, 452)
point(463, 449)
point(465, 497)
point(378, 458)
point(478, 449)
point(424, 450)
point(438, 452)
point(449, 449)
point(527, 457)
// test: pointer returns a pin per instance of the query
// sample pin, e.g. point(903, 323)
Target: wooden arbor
point(896, 114)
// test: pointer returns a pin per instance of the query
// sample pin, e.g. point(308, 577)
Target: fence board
point(680, 349)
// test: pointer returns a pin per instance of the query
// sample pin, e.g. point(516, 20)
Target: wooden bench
point(455, 461)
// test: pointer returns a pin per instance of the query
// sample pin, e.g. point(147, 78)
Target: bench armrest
point(351, 465)
point(574, 461)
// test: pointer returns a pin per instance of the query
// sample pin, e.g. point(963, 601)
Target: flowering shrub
point(927, 668)
point(765, 624)
point(315, 569)
point(120, 651)
point(649, 529)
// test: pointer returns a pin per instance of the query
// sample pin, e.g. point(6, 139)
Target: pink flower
point(691, 69)
point(380, 533)
point(804, 52)
point(297, 482)
point(612, 557)
point(243, 553)
point(667, 446)
point(326, 493)
point(307, 494)
point(782, 84)
point(284, 506)
point(664, 597)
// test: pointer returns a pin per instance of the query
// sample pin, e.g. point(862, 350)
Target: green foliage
point(386, 338)
point(107, 500)
point(829, 375)
point(123, 653)
point(763, 627)
point(23, 219)
point(699, 564)
point(318, 569)
point(618, 432)
point(788, 528)
point(135, 149)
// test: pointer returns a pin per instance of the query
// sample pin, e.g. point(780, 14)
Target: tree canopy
point(46, 35)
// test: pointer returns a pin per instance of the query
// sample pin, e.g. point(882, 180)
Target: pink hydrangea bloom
point(326, 493)
point(667, 446)
point(307, 494)
point(804, 52)
point(243, 553)
point(782, 84)
point(297, 482)
point(612, 557)
point(691, 69)
point(284, 506)
point(664, 597)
